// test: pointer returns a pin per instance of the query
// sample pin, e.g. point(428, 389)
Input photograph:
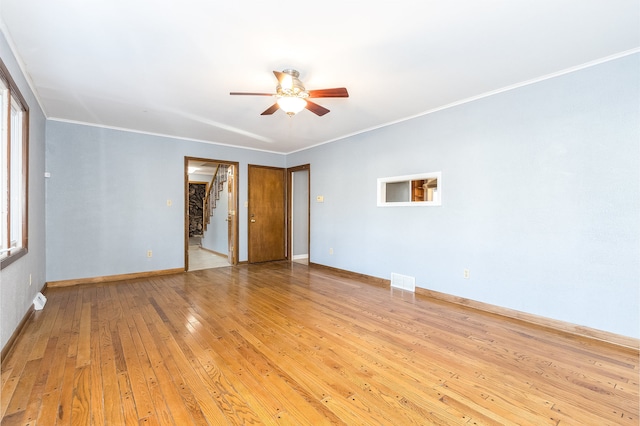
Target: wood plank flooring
point(291, 344)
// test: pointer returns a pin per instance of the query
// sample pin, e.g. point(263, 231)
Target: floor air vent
point(403, 282)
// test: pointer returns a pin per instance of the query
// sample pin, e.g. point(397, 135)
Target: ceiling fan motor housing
point(290, 85)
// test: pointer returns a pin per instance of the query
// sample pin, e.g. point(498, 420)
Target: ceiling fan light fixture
point(291, 104)
point(291, 95)
point(287, 82)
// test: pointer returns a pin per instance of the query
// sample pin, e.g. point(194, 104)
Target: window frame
point(406, 182)
point(14, 96)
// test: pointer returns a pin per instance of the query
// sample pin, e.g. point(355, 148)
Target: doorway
point(211, 222)
point(298, 213)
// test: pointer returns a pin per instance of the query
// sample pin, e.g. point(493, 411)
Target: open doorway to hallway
point(211, 225)
point(298, 211)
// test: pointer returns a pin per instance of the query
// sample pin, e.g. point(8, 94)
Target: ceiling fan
point(292, 97)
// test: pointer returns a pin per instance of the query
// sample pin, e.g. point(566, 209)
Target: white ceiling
point(202, 168)
point(167, 66)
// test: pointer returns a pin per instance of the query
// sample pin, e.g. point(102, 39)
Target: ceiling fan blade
point(251, 94)
point(339, 92)
point(273, 108)
point(316, 109)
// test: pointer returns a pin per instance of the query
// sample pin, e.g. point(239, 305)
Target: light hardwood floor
point(292, 344)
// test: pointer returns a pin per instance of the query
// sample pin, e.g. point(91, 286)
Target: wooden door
point(266, 213)
point(232, 216)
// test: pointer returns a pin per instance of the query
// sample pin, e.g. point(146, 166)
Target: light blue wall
point(541, 193)
point(107, 199)
point(216, 237)
point(16, 295)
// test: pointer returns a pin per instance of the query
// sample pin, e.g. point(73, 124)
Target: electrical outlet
point(465, 274)
point(169, 203)
point(331, 251)
point(149, 253)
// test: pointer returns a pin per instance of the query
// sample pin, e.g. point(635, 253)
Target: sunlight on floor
point(200, 258)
